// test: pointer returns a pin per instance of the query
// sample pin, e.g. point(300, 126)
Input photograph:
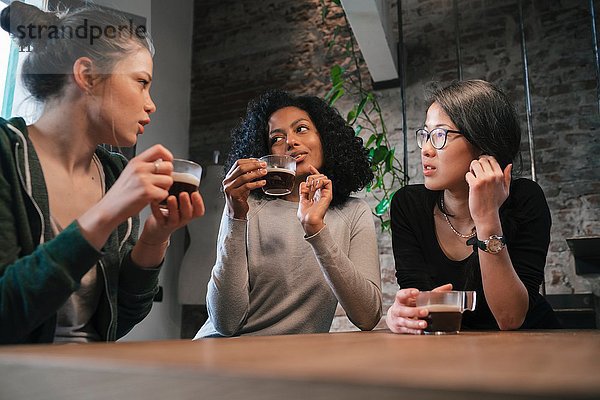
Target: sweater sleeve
point(227, 297)
point(33, 287)
point(354, 278)
point(406, 215)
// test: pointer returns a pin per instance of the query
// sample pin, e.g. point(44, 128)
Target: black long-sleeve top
point(421, 263)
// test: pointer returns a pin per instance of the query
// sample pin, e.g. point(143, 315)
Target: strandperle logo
point(85, 31)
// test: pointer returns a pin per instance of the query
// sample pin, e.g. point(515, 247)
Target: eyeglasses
point(438, 137)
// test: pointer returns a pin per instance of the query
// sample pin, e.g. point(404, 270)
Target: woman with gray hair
point(72, 268)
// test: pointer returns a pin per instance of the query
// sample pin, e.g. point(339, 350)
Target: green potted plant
point(365, 116)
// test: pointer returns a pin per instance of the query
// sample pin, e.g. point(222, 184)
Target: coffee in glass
point(445, 310)
point(186, 178)
point(281, 173)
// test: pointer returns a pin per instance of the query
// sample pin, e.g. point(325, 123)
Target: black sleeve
point(526, 224)
point(407, 219)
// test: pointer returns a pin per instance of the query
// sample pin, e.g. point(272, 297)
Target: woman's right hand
point(404, 317)
point(145, 179)
point(244, 176)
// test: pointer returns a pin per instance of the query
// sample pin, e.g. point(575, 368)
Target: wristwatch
point(494, 244)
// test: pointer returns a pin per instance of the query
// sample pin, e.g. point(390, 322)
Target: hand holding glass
point(186, 178)
point(281, 173)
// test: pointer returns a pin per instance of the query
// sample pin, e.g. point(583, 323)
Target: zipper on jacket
point(110, 336)
point(30, 195)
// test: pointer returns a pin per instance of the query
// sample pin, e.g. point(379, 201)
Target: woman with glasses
point(470, 226)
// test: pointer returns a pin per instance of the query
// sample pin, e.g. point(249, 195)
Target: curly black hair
point(345, 160)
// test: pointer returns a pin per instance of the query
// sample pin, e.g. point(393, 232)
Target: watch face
point(494, 245)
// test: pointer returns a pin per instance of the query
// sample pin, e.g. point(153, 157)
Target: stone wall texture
point(243, 47)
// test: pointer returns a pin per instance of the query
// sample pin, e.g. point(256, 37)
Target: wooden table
point(353, 365)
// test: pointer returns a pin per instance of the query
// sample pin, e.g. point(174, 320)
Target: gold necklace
point(457, 233)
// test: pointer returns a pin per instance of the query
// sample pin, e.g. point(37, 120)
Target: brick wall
point(563, 97)
point(244, 47)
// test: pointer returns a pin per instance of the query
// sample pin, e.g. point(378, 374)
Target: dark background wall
point(565, 116)
point(240, 48)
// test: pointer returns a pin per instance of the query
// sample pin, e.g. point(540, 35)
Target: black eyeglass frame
point(446, 131)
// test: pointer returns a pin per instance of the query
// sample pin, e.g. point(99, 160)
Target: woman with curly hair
point(283, 264)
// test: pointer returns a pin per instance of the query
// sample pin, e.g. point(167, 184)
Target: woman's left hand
point(161, 224)
point(315, 196)
point(488, 187)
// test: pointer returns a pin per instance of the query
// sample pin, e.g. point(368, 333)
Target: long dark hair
point(489, 121)
point(57, 41)
point(345, 158)
point(484, 114)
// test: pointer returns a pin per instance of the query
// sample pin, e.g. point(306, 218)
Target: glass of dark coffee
point(445, 310)
point(186, 178)
point(281, 173)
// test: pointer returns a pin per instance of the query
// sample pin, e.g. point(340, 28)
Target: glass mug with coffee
point(281, 173)
point(445, 310)
point(186, 178)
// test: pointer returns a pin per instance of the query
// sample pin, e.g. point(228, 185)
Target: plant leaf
point(383, 206)
point(357, 130)
point(385, 225)
point(378, 182)
point(333, 90)
point(336, 96)
point(389, 160)
point(338, 2)
point(361, 105)
point(380, 154)
point(336, 73)
point(371, 155)
point(370, 140)
point(351, 117)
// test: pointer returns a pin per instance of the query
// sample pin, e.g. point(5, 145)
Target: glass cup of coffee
point(445, 310)
point(186, 178)
point(281, 172)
